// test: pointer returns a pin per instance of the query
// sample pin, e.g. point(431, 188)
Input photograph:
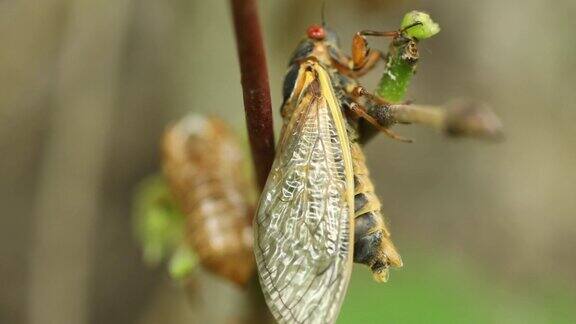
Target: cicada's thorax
point(203, 163)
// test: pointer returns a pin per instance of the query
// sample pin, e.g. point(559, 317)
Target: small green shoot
point(426, 29)
point(402, 58)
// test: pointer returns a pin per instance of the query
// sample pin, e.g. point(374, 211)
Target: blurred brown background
point(87, 87)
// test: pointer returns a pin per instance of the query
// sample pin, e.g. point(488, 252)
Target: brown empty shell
point(204, 165)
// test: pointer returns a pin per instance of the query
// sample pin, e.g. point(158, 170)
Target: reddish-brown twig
point(258, 109)
point(255, 87)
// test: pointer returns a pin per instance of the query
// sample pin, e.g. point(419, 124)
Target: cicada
point(318, 212)
point(204, 165)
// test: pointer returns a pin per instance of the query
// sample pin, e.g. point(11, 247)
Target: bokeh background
point(487, 231)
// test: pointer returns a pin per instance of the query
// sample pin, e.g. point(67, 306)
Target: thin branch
point(432, 116)
point(456, 119)
point(255, 87)
point(459, 118)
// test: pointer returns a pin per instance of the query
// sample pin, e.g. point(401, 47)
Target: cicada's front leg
point(363, 57)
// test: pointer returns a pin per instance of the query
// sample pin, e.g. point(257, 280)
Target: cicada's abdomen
point(372, 243)
point(204, 165)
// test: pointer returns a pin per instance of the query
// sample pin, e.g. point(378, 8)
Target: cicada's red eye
point(316, 32)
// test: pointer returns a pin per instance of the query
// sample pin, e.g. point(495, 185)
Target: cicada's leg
point(360, 91)
point(377, 114)
point(363, 57)
point(360, 111)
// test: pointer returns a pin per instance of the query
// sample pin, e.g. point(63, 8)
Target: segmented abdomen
point(372, 243)
point(204, 166)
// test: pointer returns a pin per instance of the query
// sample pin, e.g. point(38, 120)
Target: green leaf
point(182, 263)
point(158, 223)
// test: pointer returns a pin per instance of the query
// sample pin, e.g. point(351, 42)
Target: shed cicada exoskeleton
point(318, 211)
point(204, 165)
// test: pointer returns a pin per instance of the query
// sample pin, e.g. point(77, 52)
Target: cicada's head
point(320, 42)
point(316, 32)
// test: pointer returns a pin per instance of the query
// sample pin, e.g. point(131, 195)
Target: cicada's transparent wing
point(303, 237)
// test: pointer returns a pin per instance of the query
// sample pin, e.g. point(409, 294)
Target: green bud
point(426, 29)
